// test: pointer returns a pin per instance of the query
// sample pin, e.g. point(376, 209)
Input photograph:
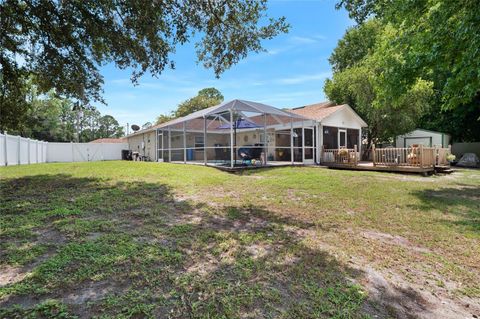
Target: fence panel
point(2, 149)
point(23, 150)
point(15, 150)
point(32, 151)
point(85, 152)
point(12, 150)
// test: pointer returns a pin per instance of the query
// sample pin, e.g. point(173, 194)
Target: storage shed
point(423, 137)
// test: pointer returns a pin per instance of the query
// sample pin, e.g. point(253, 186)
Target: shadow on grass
point(133, 250)
point(462, 201)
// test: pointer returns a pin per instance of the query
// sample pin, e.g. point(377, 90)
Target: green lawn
point(134, 240)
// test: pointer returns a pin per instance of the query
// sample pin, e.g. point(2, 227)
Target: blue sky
point(291, 73)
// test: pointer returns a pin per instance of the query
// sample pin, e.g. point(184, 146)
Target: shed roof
point(428, 131)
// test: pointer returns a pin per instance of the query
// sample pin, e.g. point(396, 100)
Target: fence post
point(73, 157)
point(18, 149)
point(5, 148)
point(421, 155)
point(28, 152)
point(373, 155)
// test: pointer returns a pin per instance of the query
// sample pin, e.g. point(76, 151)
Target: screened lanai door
point(159, 146)
point(309, 145)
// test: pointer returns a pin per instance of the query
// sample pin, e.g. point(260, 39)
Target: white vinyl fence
point(16, 150)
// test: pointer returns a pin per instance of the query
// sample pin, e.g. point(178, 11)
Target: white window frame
point(346, 139)
point(198, 144)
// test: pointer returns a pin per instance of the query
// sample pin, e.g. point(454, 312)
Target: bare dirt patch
point(404, 300)
point(11, 275)
point(91, 291)
point(394, 240)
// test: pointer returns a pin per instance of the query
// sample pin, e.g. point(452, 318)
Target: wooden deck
point(368, 166)
point(419, 159)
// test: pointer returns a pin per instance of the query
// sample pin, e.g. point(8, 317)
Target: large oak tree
point(63, 43)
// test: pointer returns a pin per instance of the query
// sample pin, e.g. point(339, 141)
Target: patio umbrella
point(239, 123)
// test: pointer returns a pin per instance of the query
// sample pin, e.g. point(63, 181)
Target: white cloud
point(120, 81)
point(304, 78)
point(294, 99)
point(303, 40)
point(293, 42)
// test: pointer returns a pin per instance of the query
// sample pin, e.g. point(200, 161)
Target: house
point(423, 137)
point(338, 126)
point(241, 132)
point(144, 142)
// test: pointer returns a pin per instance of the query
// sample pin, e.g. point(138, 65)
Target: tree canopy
point(63, 43)
point(51, 118)
point(401, 63)
point(205, 98)
point(436, 40)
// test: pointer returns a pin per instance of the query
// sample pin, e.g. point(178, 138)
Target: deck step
point(444, 170)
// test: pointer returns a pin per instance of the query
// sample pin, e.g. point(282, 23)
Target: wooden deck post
point(373, 154)
point(421, 155)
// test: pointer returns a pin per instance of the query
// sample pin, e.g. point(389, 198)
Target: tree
point(211, 93)
point(51, 118)
point(205, 98)
point(356, 44)
point(360, 82)
point(438, 41)
point(163, 118)
point(63, 43)
point(108, 127)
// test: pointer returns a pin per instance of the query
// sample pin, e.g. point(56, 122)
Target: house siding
point(148, 138)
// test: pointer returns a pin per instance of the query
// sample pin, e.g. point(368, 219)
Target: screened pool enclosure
point(238, 133)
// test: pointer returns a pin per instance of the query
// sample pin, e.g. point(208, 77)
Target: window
point(199, 142)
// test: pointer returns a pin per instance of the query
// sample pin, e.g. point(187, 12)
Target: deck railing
point(347, 156)
point(442, 156)
point(418, 156)
point(406, 156)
